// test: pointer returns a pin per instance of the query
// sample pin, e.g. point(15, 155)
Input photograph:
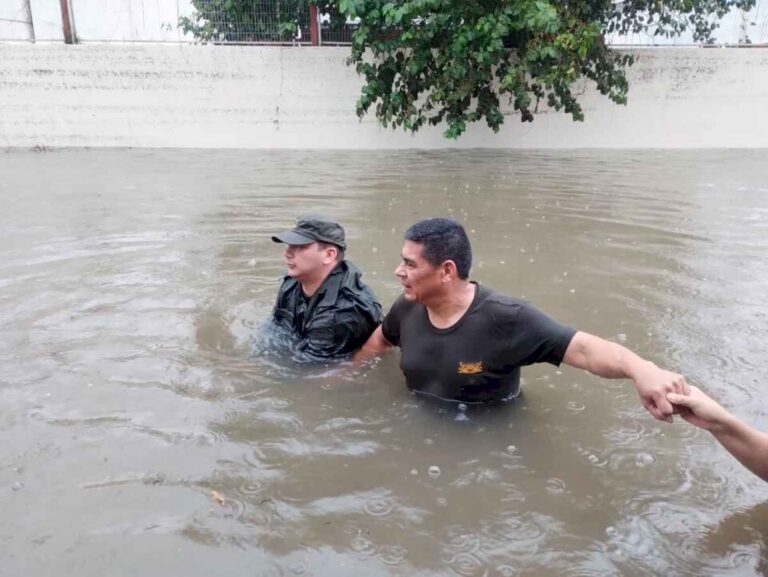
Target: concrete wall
point(151, 95)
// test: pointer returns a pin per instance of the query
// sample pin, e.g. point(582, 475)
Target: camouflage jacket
point(336, 320)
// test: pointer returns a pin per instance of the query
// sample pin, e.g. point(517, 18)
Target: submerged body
point(477, 359)
point(336, 320)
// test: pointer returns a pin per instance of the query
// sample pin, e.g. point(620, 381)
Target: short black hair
point(443, 239)
point(339, 251)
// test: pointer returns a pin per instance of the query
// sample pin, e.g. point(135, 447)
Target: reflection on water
point(152, 424)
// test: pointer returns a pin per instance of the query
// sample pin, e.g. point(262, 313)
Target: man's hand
point(654, 384)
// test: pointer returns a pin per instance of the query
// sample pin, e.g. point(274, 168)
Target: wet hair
point(339, 250)
point(443, 239)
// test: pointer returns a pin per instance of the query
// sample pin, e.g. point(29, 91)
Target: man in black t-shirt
point(464, 342)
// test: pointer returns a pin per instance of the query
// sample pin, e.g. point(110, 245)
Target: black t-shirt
point(478, 359)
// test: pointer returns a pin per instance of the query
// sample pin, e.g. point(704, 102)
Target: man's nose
point(399, 270)
point(288, 250)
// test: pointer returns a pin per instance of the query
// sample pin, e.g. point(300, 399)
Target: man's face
point(304, 261)
point(420, 279)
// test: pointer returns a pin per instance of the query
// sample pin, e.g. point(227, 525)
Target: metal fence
point(218, 21)
point(267, 22)
point(254, 21)
point(250, 22)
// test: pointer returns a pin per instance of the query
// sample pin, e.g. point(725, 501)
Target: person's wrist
point(722, 422)
point(642, 371)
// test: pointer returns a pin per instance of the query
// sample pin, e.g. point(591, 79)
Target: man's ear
point(448, 271)
point(331, 253)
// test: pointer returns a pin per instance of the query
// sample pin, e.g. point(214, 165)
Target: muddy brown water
point(149, 428)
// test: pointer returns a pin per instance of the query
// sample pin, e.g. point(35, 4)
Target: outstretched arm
point(375, 346)
point(613, 361)
point(747, 444)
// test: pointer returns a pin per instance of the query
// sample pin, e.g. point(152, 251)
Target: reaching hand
point(699, 409)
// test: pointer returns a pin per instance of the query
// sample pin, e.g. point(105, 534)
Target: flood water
point(148, 427)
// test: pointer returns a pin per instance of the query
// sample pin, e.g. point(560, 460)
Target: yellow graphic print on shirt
point(470, 368)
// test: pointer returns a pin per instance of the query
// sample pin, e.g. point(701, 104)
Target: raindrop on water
point(644, 459)
point(555, 486)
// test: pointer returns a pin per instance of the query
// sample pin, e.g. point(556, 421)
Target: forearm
point(613, 361)
point(744, 442)
point(375, 346)
point(606, 359)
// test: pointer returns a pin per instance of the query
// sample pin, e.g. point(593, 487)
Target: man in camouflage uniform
point(323, 300)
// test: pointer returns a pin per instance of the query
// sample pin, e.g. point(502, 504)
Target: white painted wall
point(99, 20)
point(152, 95)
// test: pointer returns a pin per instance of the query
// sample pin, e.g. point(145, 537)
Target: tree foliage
point(457, 61)
point(454, 61)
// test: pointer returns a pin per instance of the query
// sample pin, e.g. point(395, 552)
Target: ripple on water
point(739, 559)
point(380, 505)
point(457, 539)
point(638, 543)
point(627, 462)
point(706, 483)
point(555, 486)
point(339, 423)
point(516, 534)
point(250, 487)
point(229, 417)
point(480, 476)
point(392, 554)
point(644, 459)
point(292, 447)
point(230, 506)
point(467, 565)
point(363, 545)
point(627, 434)
point(588, 563)
point(271, 418)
